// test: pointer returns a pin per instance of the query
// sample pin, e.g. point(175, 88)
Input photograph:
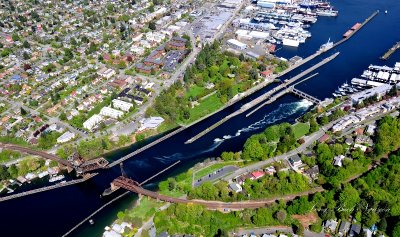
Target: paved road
point(273, 230)
point(309, 140)
point(216, 175)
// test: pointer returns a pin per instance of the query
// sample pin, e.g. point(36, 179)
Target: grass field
point(206, 106)
point(195, 91)
point(209, 169)
point(145, 209)
point(301, 129)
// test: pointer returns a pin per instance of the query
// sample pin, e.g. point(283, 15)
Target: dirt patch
point(307, 219)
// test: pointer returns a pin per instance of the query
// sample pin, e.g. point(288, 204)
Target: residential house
point(122, 105)
point(338, 160)
point(344, 228)
point(110, 112)
point(324, 138)
point(295, 161)
point(330, 226)
point(256, 175)
point(67, 136)
point(235, 187)
point(355, 230)
point(92, 121)
point(313, 172)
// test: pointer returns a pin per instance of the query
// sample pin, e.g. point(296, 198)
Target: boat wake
point(182, 156)
point(282, 112)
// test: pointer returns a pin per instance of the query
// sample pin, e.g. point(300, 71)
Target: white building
point(150, 123)
point(106, 73)
point(375, 91)
point(236, 44)
point(110, 112)
point(67, 136)
point(342, 124)
point(122, 105)
point(92, 121)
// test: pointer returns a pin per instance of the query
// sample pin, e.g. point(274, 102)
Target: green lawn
point(206, 106)
point(195, 91)
point(145, 209)
point(209, 169)
point(301, 129)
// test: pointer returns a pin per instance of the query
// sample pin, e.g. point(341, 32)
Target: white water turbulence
point(182, 156)
point(282, 112)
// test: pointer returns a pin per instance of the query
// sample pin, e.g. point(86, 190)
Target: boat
point(91, 221)
point(386, 11)
point(336, 95)
point(290, 42)
point(329, 12)
point(56, 178)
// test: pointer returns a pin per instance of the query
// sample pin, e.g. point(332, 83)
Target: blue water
point(54, 212)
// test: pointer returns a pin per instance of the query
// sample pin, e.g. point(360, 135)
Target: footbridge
point(305, 95)
point(133, 186)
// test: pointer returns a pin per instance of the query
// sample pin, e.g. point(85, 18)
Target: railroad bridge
point(133, 186)
point(81, 166)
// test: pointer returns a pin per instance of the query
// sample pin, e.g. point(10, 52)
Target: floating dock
point(391, 51)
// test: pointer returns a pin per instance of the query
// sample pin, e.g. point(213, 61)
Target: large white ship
point(290, 42)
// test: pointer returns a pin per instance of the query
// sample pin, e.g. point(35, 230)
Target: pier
point(39, 190)
point(391, 51)
point(261, 98)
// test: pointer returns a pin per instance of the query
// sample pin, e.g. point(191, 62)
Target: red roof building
point(257, 174)
point(324, 138)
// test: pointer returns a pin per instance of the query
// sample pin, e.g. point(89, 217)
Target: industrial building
point(236, 44)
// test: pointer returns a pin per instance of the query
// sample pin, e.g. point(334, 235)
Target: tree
point(396, 230)
point(152, 25)
point(23, 111)
point(281, 215)
point(26, 44)
point(26, 56)
point(4, 173)
point(63, 116)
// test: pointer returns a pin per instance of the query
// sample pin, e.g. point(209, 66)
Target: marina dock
point(39, 190)
point(391, 51)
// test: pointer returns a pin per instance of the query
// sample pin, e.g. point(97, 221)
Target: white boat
point(328, 45)
point(56, 178)
point(329, 12)
point(290, 42)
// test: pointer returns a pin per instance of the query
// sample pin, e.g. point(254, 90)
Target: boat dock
point(391, 51)
point(39, 190)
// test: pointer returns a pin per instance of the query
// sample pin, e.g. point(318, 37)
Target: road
point(274, 230)
point(309, 140)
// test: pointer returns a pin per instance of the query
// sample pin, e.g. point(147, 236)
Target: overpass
point(133, 186)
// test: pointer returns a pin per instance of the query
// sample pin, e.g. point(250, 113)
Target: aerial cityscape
point(245, 118)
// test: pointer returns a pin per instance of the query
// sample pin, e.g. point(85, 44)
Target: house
point(337, 160)
point(270, 170)
point(257, 175)
point(330, 226)
point(106, 73)
point(363, 139)
point(359, 131)
point(367, 232)
point(266, 74)
point(324, 138)
point(110, 112)
point(92, 121)
point(355, 230)
point(235, 187)
point(349, 141)
point(67, 136)
point(313, 172)
point(343, 228)
point(150, 123)
point(295, 161)
point(371, 129)
point(362, 147)
point(163, 234)
point(122, 105)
